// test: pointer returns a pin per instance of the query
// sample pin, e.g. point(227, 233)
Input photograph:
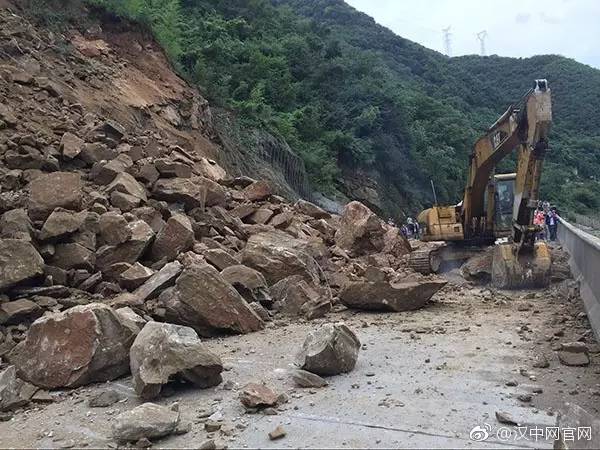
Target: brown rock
point(113, 228)
point(203, 300)
point(162, 352)
point(19, 261)
point(219, 258)
point(73, 256)
point(306, 379)
point(574, 354)
point(192, 192)
point(295, 297)
point(277, 255)
point(259, 190)
point(159, 281)
point(282, 220)
point(168, 168)
point(147, 421)
point(54, 190)
point(61, 223)
point(128, 252)
point(260, 216)
point(135, 276)
point(310, 209)
point(385, 296)
point(256, 395)
point(81, 345)
point(15, 224)
point(18, 310)
point(361, 231)
point(176, 237)
point(71, 145)
point(13, 391)
point(277, 433)
point(104, 172)
point(329, 350)
point(250, 283)
point(126, 184)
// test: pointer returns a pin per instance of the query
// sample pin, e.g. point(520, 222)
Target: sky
point(514, 27)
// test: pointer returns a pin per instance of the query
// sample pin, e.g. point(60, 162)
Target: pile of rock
point(120, 246)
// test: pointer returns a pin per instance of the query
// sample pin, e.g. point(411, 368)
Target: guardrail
point(584, 250)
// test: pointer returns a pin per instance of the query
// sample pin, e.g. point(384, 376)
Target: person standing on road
point(552, 223)
point(539, 219)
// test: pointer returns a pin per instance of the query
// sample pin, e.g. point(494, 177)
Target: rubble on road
point(163, 352)
point(81, 345)
point(254, 395)
point(389, 296)
point(329, 350)
point(147, 421)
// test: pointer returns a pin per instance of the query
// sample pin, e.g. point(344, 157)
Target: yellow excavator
point(501, 206)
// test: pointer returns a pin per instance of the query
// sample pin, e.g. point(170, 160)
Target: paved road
point(423, 379)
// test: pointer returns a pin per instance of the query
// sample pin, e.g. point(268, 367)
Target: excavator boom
point(525, 127)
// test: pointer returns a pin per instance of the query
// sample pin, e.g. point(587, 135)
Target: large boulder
point(250, 283)
point(84, 344)
point(113, 228)
point(203, 300)
point(278, 255)
point(176, 237)
point(329, 350)
point(310, 209)
point(61, 223)
point(258, 190)
point(361, 231)
point(14, 392)
point(295, 297)
point(128, 252)
point(159, 281)
point(386, 296)
point(162, 352)
point(19, 261)
point(147, 421)
point(192, 192)
point(54, 190)
point(16, 224)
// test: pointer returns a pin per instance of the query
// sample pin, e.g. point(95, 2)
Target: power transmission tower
point(447, 40)
point(481, 36)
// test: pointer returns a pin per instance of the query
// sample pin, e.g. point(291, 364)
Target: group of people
point(410, 229)
point(547, 218)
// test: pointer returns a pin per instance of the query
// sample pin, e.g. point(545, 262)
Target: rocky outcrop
point(329, 350)
point(163, 352)
point(82, 345)
point(386, 296)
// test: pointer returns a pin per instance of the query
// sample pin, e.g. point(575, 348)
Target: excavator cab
point(504, 199)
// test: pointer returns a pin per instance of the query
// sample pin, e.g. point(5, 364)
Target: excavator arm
point(524, 126)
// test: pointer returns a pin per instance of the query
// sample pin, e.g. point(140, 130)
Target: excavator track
point(425, 261)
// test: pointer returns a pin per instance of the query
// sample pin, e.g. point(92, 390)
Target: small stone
point(277, 433)
point(104, 399)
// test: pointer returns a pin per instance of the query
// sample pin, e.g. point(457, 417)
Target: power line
point(447, 40)
point(481, 36)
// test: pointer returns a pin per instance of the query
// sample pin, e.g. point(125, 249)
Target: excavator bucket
point(512, 269)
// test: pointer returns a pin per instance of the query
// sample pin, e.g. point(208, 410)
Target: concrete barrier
point(584, 250)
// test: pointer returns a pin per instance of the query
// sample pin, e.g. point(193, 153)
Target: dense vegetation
point(351, 97)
